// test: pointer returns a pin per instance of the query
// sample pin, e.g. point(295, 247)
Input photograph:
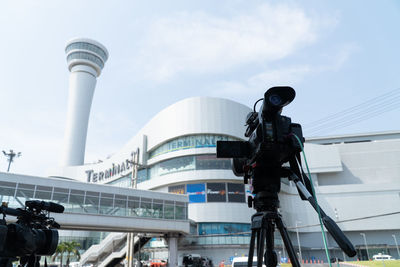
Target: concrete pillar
point(172, 251)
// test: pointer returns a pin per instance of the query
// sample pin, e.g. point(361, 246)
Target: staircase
point(111, 251)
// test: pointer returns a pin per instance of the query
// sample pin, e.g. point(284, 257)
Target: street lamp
point(298, 240)
point(397, 246)
point(10, 157)
point(365, 242)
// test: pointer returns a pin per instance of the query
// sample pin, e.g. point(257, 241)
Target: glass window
point(87, 46)
point(180, 211)
point(61, 190)
point(223, 228)
point(169, 211)
point(91, 203)
point(146, 208)
point(177, 189)
point(86, 56)
point(196, 193)
point(77, 192)
point(125, 181)
point(186, 163)
point(142, 175)
point(61, 198)
point(211, 162)
point(236, 193)
point(176, 164)
point(25, 191)
point(43, 194)
point(189, 142)
point(7, 184)
point(216, 192)
point(158, 208)
point(133, 206)
point(76, 203)
point(26, 186)
point(7, 191)
point(106, 205)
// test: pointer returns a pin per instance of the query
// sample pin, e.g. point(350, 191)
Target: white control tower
point(85, 60)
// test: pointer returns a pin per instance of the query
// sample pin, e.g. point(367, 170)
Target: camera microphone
point(43, 205)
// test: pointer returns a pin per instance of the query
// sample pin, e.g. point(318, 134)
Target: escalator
point(139, 244)
point(110, 251)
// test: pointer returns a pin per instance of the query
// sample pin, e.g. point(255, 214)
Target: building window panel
point(196, 193)
point(169, 211)
point(216, 192)
point(211, 162)
point(92, 204)
point(236, 193)
point(76, 203)
point(43, 195)
point(177, 189)
point(189, 142)
point(106, 205)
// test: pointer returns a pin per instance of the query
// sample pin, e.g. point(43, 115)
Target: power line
point(355, 108)
point(371, 108)
point(356, 119)
point(376, 106)
point(352, 220)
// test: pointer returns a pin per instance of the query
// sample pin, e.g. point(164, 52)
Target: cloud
point(201, 43)
point(291, 75)
point(284, 76)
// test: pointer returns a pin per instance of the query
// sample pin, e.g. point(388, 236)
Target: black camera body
point(272, 141)
point(34, 234)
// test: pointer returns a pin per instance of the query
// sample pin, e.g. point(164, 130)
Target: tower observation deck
point(86, 59)
point(83, 51)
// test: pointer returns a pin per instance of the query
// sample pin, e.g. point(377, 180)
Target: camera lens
point(275, 100)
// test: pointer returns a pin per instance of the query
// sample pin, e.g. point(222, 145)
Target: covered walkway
point(99, 207)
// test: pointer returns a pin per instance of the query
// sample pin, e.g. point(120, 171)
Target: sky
point(341, 57)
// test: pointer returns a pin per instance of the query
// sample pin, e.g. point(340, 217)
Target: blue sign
point(196, 193)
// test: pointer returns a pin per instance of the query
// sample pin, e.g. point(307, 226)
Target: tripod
point(262, 228)
point(266, 203)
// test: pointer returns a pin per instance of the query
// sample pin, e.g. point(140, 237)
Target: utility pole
point(397, 245)
point(365, 242)
point(298, 240)
point(131, 236)
point(10, 157)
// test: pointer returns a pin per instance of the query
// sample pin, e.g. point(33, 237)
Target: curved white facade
point(190, 117)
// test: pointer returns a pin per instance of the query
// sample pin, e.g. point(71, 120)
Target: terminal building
point(356, 177)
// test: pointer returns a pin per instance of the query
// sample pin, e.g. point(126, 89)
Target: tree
point(72, 248)
point(69, 248)
point(61, 248)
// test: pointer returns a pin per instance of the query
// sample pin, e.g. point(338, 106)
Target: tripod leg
point(260, 247)
point(270, 258)
point(287, 242)
point(251, 250)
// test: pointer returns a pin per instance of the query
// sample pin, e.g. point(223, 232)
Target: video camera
point(31, 236)
point(271, 141)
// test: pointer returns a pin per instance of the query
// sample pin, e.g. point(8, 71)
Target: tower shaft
point(85, 59)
